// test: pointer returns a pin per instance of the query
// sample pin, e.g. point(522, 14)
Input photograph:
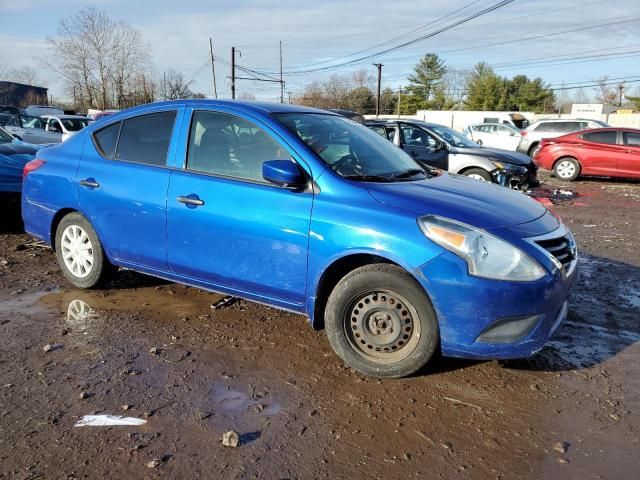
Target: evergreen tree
point(426, 84)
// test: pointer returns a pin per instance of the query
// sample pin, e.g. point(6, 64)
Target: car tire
point(478, 174)
point(566, 168)
point(533, 150)
point(80, 253)
point(381, 323)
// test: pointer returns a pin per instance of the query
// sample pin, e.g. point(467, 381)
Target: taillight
point(32, 166)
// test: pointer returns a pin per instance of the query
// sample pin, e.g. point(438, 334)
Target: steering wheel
point(349, 160)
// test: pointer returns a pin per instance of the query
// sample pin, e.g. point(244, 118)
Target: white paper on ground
point(107, 420)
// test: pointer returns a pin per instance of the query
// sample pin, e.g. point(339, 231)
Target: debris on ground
point(108, 420)
point(156, 462)
point(561, 447)
point(230, 439)
point(224, 302)
point(47, 348)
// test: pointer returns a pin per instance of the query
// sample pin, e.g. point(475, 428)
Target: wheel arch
point(338, 269)
point(55, 221)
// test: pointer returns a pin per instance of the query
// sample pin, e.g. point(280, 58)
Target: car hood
point(496, 154)
point(481, 204)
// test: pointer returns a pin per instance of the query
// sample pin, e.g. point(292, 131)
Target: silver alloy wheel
point(477, 177)
point(566, 169)
point(383, 326)
point(77, 251)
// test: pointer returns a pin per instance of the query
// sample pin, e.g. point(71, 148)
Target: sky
point(562, 41)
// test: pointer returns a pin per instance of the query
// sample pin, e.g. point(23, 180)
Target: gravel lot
point(157, 351)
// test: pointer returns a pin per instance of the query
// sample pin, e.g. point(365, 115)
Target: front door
point(601, 152)
point(423, 146)
point(122, 187)
point(228, 227)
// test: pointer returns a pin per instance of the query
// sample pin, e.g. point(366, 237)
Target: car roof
point(494, 123)
point(80, 117)
point(255, 106)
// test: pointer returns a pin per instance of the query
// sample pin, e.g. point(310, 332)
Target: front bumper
point(517, 177)
point(469, 306)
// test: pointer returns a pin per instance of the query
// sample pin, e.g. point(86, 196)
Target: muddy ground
point(157, 351)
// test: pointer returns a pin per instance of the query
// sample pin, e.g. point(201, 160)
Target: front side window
point(230, 146)
point(54, 125)
point(631, 138)
point(145, 139)
point(608, 137)
point(417, 137)
point(452, 137)
point(352, 150)
point(74, 124)
point(32, 122)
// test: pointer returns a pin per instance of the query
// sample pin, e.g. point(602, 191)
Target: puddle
point(223, 399)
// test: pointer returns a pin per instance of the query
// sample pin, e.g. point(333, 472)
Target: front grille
point(562, 248)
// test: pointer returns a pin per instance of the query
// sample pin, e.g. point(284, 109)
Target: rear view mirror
point(283, 173)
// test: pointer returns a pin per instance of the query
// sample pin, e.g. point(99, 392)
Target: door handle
point(90, 183)
point(191, 200)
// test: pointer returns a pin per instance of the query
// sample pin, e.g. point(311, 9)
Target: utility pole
point(233, 72)
point(620, 89)
point(213, 69)
point(379, 67)
point(399, 93)
point(289, 93)
point(281, 81)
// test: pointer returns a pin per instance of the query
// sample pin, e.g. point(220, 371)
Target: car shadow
point(10, 213)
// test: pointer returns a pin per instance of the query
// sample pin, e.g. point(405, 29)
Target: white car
point(31, 130)
point(65, 125)
point(494, 135)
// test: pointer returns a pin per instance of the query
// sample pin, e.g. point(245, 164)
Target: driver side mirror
point(441, 146)
point(54, 128)
point(284, 173)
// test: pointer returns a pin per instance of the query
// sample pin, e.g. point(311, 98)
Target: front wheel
point(380, 322)
point(79, 252)
point(567, 169)
point(478, 174)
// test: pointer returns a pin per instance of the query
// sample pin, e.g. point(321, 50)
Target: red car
point(609, 152)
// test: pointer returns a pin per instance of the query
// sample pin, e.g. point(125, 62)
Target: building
point(21, 95)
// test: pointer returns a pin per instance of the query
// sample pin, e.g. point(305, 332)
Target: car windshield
point(74, 124)
point(351, 150)
point(5, 137)
point(453, 138)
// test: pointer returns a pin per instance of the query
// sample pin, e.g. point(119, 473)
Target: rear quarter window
point(106, 140)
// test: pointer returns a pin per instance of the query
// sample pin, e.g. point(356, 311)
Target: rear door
point(423, 146)
point(600, 152)
point(226, 225)
point(629, 163)
point(123, 180)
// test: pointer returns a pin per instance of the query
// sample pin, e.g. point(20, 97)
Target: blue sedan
point(14, 155)
point(307, 211)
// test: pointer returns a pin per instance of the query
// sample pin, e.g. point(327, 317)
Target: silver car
point(31, 130)
point(551, 128)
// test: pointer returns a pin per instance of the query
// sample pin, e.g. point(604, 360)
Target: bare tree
point(246, 96)
point(100, 59)
point(175, 86)
point(26, 74)
point(606, 94)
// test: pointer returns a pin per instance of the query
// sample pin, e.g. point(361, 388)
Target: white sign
point(583, 109)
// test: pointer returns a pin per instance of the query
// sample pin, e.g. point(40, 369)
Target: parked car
point(39, 110)
point(494, 135)
point(4, 118)
point(64, 125)
point(31, 130)
point(550, 128)
point(438, 146)
point(610, 152)
point(350, 114)
point(14, 155)
point(9, 109)
point(305, 210)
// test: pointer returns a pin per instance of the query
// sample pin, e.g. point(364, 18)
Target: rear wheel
point(380, 322)
point(534, 150)
point(79, 252)
point(478, 174)
point(567, 169)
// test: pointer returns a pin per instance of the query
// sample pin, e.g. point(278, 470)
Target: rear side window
point(106, 139)
point(632, 139)
point(608, 137)
point(145, 139)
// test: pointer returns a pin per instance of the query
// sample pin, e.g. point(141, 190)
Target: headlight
point(486, 255)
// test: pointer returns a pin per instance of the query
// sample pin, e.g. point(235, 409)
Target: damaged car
point(307, 211)
point(442, 147)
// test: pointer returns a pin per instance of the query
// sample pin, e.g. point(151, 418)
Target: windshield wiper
point(367, 178)
point(412, 172)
